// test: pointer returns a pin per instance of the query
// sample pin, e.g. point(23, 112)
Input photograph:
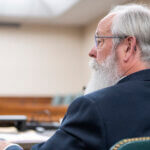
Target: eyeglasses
point(99, 40)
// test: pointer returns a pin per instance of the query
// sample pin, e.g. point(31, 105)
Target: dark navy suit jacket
point(98, 120)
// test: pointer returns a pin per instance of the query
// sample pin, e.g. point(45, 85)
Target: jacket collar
point(143, 75)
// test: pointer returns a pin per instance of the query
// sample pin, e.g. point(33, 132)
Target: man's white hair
point(133, 20)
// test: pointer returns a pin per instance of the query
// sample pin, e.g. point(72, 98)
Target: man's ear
point(130, 48)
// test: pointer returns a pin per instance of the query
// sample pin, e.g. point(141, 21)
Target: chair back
point(139, 143)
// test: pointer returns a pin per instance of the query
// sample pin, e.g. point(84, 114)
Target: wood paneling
point(36, 109)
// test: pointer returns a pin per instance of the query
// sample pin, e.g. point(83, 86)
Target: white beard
point(104, 75)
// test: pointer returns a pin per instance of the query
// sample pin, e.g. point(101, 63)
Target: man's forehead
point(104, 25)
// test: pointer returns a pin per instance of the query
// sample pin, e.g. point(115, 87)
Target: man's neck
point(135, 68)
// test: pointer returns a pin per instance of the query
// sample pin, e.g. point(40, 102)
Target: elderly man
point(116, 102)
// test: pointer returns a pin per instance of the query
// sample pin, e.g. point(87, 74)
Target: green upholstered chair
point(140, 143)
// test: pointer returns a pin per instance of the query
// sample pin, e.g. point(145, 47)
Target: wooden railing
point(35, 108)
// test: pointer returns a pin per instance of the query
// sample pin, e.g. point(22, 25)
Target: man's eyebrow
point(97, 33)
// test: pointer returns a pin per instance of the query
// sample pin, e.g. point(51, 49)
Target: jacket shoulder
point(113, 93)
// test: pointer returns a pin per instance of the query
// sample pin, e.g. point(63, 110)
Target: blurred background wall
point(40, 60)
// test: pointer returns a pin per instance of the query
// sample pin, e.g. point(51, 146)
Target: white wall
point(40, 60)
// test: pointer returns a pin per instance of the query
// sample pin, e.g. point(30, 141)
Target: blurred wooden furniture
point(35, 108)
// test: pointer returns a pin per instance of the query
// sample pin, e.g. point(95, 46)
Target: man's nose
point(93, 52)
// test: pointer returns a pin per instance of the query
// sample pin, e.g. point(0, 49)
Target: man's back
point(125, 107)
point(98, 120)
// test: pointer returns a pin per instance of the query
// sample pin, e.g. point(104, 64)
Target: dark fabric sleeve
point(81, 129)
